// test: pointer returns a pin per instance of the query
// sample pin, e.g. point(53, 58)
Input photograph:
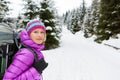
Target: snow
point(113, 42)
point(79, 58)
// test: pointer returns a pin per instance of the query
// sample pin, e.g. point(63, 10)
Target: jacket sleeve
point(21, 67)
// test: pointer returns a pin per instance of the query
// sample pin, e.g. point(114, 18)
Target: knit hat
point(34, 24)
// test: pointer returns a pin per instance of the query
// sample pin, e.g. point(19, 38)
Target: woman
point(24, 66)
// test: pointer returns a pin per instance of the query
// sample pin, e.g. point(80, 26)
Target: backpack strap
point(30, 49)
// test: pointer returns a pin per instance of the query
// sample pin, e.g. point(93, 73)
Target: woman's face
point(38, 35)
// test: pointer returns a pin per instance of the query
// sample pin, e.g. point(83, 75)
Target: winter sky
point(61, 5)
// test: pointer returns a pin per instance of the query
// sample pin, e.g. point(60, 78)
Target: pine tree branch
point(117, 48)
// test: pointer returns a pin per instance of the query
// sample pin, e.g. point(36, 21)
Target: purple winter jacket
point(21, 67)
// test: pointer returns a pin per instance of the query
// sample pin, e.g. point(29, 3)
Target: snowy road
point(80, 59)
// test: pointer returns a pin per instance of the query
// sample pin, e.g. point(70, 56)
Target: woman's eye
point(42, 32)
point(35, 31)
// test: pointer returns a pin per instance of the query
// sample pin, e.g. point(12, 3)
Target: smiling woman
point(28, 64)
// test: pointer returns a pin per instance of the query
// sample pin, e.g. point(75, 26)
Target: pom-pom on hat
point(34, 24)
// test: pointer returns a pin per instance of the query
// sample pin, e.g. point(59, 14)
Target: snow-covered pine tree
point(75, 27)
point(30, 10)
point(4, 9)
point(91, 19)
point(48, 17)
point(74, 18)
point(109, 20)
point(82, 11)
point(67, 19)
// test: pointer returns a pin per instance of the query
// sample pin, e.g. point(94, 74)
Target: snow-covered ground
point(79, 58)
